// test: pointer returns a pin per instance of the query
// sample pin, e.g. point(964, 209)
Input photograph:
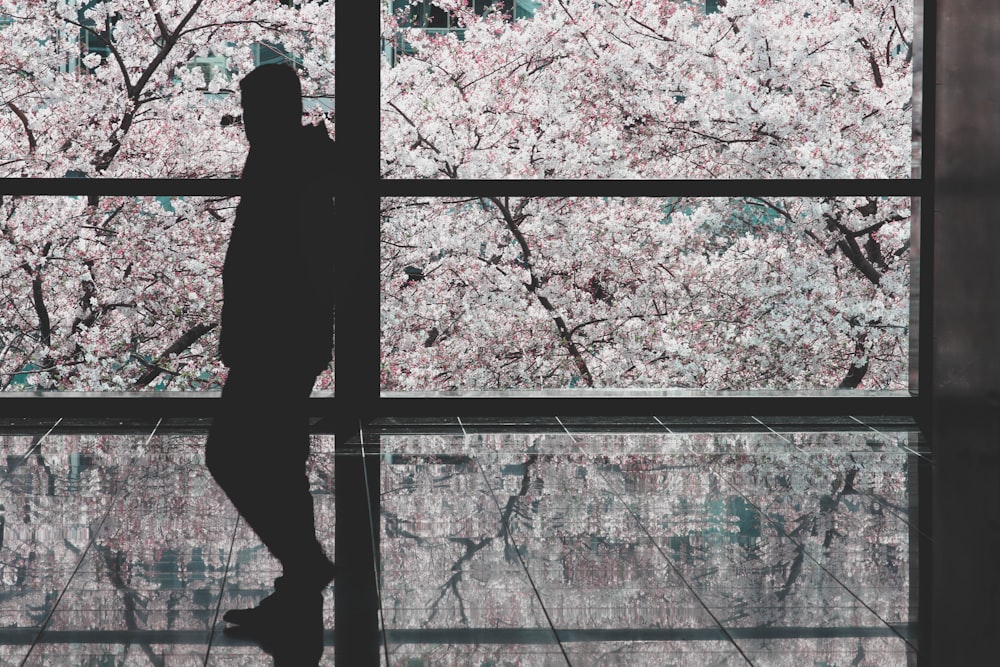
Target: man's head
point(271, 96)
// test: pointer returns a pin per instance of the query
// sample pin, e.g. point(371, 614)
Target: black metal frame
point(358, 367)
point(358, 194)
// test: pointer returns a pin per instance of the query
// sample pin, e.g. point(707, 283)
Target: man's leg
point(257, 451)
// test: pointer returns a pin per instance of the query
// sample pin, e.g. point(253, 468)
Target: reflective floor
point(639, 541)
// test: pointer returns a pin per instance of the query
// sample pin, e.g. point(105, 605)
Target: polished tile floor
point(546, 541)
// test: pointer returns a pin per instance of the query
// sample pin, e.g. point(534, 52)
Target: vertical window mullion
point(357, 189)
point(924, 332)
point(356, 254)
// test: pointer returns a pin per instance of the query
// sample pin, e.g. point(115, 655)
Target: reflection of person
point(276, 337)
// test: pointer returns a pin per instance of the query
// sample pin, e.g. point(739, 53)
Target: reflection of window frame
point(265, 53)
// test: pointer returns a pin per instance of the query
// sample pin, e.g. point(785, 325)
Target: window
point(170, 121)
point(111, 280)
point(615, 108)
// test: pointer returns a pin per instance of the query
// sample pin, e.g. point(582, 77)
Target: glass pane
point(139, 89)
point(119, 544)
point(120, 294)
point(584, 89)
point(651, 549)
point(720, 294)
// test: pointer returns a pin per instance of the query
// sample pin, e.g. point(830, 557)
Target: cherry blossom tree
point(124, 293)
point(760, 89)
point(114, 292)
point(691, 293)
point(490, 292)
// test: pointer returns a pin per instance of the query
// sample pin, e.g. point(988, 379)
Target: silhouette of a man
point(276, 337)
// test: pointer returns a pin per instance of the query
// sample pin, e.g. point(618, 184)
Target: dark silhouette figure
point(276, 337)
point(295, 639)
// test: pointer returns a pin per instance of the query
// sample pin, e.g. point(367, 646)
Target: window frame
point(359, 191)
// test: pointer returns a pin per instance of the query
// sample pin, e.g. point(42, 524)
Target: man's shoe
point(288, 626)
point(267, 612)
point(290, 590)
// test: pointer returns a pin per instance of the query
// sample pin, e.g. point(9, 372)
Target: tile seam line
point(660, 423)
point(222, 589)
point(926, 456)
point(669, 560)
point(806, 551)
point(86, 551)
point(524, 565)
point(771, 430)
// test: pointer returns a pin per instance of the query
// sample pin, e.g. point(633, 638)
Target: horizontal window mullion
point(763, 403)
point(22, 405)
point(111, 187)
point(499, 187)
point(657, 188)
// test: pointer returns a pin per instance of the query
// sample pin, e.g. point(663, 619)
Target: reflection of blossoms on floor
point(667, 532)
point(137, 528)
point(610, 548)
point(140, 512)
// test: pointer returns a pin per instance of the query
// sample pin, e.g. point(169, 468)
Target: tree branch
point(878, 225)
point(32, 144)
point(856, 373)
point(134, 91)
point(164, 30)
point(182, 343)
point(565, 335)
point(872, 61)
point(44, 325)
point(853, 252)
point(111, 49)
point(261, 24)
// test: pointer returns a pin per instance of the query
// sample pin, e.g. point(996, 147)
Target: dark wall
point(966, 348)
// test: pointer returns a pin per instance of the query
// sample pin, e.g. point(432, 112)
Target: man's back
point(278, 279)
